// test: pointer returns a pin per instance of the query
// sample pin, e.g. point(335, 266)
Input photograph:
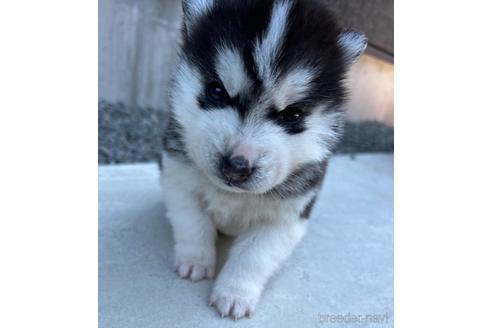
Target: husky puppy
point(256, 108)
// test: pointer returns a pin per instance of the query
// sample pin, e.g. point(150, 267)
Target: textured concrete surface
point(344, 266)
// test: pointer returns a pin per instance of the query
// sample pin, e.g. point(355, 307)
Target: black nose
point(236, 169)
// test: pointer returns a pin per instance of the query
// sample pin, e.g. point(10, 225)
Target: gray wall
point(374, 18)
point(137, 50)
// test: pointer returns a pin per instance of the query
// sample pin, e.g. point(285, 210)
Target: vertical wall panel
point(137, 50)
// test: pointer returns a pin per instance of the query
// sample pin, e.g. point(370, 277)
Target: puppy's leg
point(252, 260)
point(194, 232)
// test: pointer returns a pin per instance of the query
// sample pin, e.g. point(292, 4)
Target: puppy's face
point(258, 90)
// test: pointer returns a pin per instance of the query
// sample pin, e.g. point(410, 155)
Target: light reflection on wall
point(371, 81)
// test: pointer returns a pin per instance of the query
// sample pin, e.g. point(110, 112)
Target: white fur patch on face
point(186, 88)
point(267, 48)
point(206, 133)
point(316, 142)
point(231, 70)
point(292, 88)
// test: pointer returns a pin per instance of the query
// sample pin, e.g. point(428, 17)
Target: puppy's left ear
point(353, 45)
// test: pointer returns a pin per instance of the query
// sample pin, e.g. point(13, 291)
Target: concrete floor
point(343, 266)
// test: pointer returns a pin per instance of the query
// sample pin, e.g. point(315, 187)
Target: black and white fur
point(272, 58)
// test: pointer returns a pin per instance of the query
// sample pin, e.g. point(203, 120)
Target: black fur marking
point(230, 23)
point(309, 207)
point(172, 140)
point(310, 41)
point(308, 177)
point(234, 24)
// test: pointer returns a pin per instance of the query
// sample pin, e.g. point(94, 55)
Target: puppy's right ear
point(193, 9)
point(353, 45)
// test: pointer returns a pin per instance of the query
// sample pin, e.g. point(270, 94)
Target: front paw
point(194, 271)
point(194, 262)
point(233, 303)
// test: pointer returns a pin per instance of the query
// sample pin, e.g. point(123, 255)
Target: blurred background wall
point(137, 53)
point(137, 50)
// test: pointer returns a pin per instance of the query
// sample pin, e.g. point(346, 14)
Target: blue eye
point(216, 93)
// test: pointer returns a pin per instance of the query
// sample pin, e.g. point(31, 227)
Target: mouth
point(239, 180)
point(230, 185)
point(233, 185)
point(229, 182)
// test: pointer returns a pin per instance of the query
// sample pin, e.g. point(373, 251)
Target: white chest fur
point(233, 213)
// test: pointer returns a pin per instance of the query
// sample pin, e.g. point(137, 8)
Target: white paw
point(194, 262)
point(233, 304)
point(194, 271)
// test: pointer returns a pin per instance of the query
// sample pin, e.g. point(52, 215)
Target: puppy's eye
point(216, 93)
point(291, 115)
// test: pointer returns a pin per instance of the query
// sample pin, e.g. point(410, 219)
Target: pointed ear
point(193, 9)
point(353, 45)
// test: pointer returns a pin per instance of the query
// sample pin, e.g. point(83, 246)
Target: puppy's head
point(259, 88)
